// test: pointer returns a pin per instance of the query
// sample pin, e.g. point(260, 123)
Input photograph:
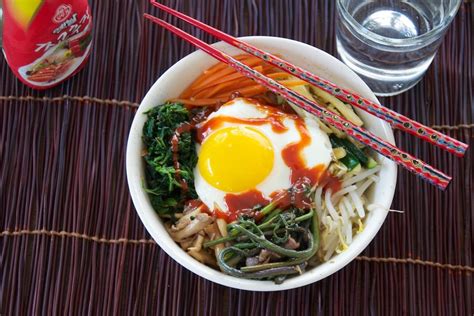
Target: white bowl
point(178, 77)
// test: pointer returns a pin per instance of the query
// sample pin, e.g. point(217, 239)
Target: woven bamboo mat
point(71, 242)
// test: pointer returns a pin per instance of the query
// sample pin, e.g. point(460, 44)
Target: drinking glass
point(391, 43)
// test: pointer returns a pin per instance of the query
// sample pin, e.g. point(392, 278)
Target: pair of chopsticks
point(381, 146)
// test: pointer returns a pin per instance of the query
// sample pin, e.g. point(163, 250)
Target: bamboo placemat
point(70, 240)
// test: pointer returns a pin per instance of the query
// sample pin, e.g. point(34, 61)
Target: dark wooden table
point(71, 242)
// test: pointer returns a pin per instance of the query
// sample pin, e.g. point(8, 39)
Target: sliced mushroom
point(266, 255)
point(212, 231)
point(193, 226)
point(183, 222)
point(203, 257)
point(222, 225)
point(291, 244)
point(197, 244)
point(186, 243)
point(251, 261)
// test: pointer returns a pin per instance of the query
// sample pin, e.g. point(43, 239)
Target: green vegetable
point(294, 260)
point(316, 241)
point(165, 191)
point(350, 161)
point(267, 209)
point(352, 152)
point(265, 266)
point(267, 273)
point(372, 163)
point(350, 147)
point(268, 223)
point(272, 215)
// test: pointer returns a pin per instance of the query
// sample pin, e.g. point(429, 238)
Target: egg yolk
point(236, 159)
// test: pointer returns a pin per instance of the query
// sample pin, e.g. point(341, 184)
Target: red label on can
point(46, 41)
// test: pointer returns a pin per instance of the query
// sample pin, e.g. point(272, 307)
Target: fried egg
point(247, 147)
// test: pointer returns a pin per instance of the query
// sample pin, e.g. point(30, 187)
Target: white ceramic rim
point(134, 165)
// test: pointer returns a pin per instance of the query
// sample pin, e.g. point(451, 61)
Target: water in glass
point(390, 44)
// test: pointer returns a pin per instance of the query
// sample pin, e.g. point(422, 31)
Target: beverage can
point(46, 41)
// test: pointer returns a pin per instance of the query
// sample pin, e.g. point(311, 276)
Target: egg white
point(316, 153)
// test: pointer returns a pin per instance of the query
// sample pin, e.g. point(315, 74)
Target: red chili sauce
point(274, 117)
point(301, 177)
point(242, 204)
point(183, 128)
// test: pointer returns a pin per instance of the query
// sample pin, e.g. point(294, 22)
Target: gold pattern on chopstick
point(52, 233)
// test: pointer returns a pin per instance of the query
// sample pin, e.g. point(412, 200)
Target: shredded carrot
point(213, 77)
point(247, 91)
point(187, 93)
point(222, 73)
point(235, 86)
point(199, 102)
point(221, 65)
point(235, 76)
point(242, 56)
point(218, 82)
point(208, 76)
point(270, 69)
point(252, 90)
point(224, 87)
point(205, 74)
point(216, 67)
point(213, 86)
point(245, 58)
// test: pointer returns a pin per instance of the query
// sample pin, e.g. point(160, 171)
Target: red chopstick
point(395, 119)
point(386, 149)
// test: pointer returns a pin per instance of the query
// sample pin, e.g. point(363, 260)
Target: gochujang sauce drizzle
point(292, 155)
point(243, 204)
point(296, 196)
point(302, 177)
point(274, 117)
point(196, 118)
point(328, 181)
point(183, 128)
point(201, 115)
point(194, 204)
